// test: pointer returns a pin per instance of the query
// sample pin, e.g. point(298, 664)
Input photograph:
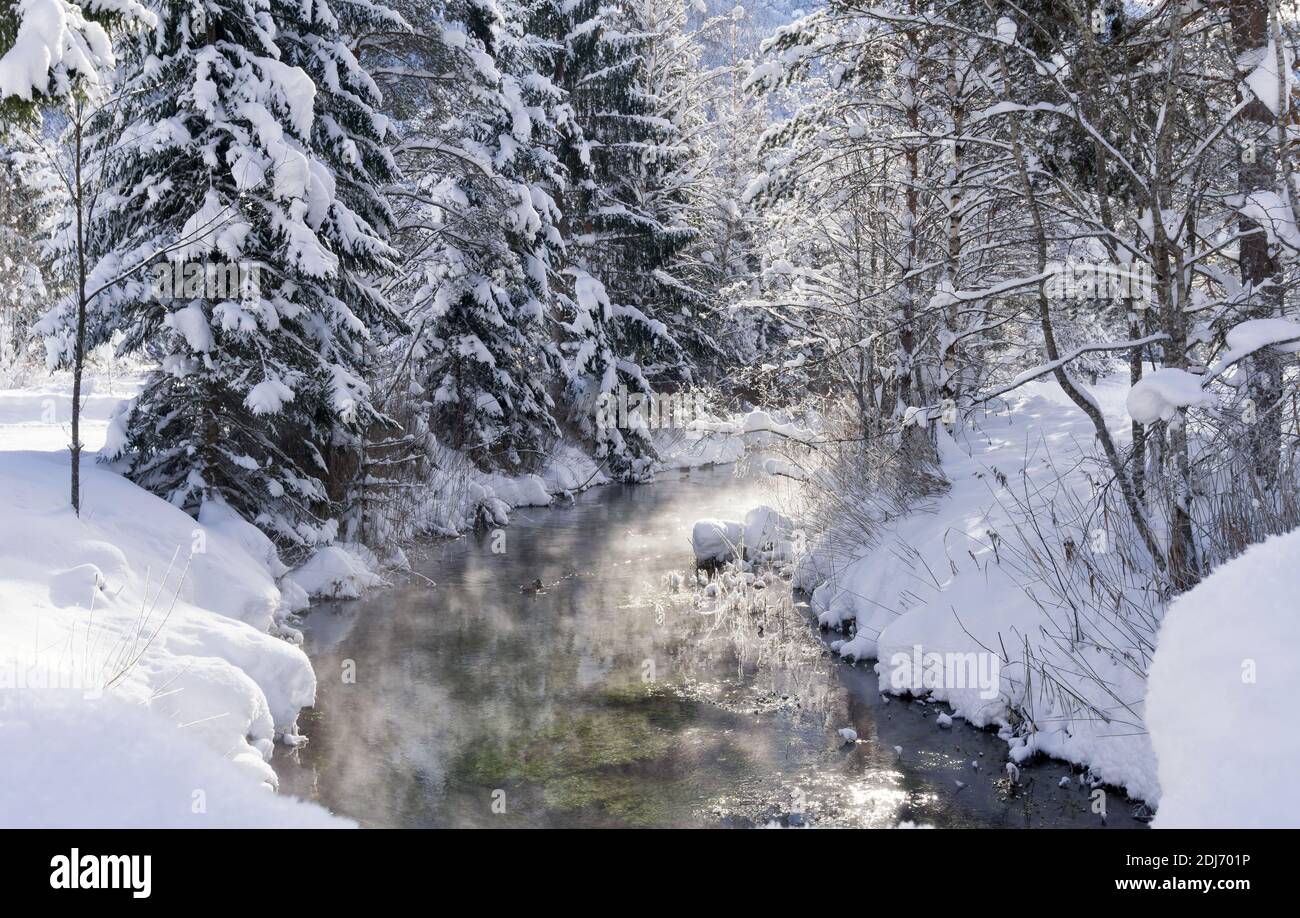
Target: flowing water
point(616, 695)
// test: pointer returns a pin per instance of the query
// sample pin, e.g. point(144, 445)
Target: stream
point(620, 694)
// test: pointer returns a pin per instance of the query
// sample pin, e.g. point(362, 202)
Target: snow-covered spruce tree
point(28, 198)
point(354, 140)
point(674, 186)
point(49, 48)
point(599, 64)
point(726, 255)
point(217, 168)
point(591, 52)
point(477, 227)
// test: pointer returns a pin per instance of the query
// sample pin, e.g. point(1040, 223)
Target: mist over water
point(620, 695)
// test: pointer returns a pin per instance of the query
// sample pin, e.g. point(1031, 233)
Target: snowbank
point(1222, 686)
point(756, 424)
point(462, 496)
point(109, 763)
point(139, 635)
point(933, 587)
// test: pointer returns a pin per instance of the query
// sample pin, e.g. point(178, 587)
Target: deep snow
point(147, 660)
point(1204, 737)
point(934, 585)
point(1221, 691)
point(139, 680)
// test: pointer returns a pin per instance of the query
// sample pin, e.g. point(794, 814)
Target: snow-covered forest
point(982, 317)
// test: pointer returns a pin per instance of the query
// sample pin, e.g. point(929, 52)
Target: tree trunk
point(79, 352)
point(1082, 400)
point(1259, 266)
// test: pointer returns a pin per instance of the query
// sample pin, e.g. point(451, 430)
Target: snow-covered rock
point(836, 606)
point(779, 468)
point(520, 491)
point(765, 528)
point(335, 572)
point(717, 540)
point(764, 536)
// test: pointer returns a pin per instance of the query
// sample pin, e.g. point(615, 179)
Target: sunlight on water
point(621, 692)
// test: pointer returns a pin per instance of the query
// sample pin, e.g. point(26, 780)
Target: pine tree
point(603, 336)
point(28, 195)
point(478, 231)
point(230, 165)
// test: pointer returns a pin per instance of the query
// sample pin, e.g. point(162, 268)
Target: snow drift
point(937, 583)
point(1220, 694)
point(136, 667)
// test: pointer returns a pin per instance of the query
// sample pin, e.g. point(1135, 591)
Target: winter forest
point(912, 385)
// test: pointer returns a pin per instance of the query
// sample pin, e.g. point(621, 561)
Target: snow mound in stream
point(765, 528)
point(764, 535)
point(337, 572)
point(716, 540)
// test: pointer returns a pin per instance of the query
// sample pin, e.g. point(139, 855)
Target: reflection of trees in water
point(474, 685)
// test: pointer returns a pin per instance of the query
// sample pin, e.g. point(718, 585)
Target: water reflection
point(619, 694)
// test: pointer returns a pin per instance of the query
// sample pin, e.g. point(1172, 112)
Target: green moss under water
point(598, 759)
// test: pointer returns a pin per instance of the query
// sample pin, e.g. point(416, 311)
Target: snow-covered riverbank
point(950, 583)
point(936, 581)
point(149, 661)
point(143, 680)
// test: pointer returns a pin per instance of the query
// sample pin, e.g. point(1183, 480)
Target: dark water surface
point(617, 697)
